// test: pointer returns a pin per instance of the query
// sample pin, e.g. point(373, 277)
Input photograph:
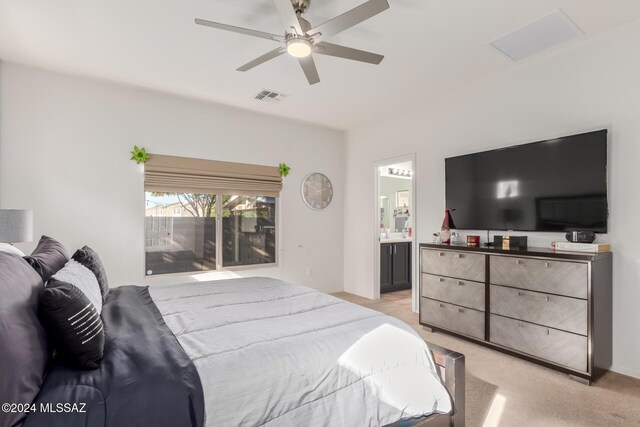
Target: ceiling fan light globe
point(299, 48)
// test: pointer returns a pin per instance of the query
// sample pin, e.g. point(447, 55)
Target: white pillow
point(7, 248)
point(82, 278)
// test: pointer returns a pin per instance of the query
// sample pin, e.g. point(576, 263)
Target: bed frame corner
point(452, 368)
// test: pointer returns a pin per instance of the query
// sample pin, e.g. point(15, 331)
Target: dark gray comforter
point(146, 378)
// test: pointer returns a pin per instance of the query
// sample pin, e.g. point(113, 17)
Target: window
point(204, 215)
point(248, 230)
point(176, 243)
point(187, 243)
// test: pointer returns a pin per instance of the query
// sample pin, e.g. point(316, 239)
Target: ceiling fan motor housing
point(301, 6)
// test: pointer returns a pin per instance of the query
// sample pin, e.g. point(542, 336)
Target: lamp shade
point(16, 225)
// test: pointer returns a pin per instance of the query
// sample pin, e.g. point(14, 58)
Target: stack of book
point(581, 247)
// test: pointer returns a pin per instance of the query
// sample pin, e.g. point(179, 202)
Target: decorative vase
point(447, 225)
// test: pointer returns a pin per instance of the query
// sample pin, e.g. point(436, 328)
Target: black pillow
point(73, 324)
point(90, 259)
point(48, 257)
point(24, 349)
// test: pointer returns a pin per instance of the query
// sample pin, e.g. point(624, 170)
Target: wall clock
point(317, 191)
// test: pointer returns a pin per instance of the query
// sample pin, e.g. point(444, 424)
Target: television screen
point(554, 185)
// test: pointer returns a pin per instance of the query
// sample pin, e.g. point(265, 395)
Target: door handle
point(460, 283)
point(395, 249)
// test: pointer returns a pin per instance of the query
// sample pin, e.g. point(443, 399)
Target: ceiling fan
point(300, 39)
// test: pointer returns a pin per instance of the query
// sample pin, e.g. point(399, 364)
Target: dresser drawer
point(554, 277)
point(563, 348)
point(452, 317)
point(568, 314)
point(457, 291)
point(461, 265)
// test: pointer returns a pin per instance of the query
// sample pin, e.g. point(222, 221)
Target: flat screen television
point(555, 185)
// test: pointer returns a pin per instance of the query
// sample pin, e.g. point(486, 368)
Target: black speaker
point(581, 236)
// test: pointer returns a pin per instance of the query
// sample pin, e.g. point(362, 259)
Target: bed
point(254, 351)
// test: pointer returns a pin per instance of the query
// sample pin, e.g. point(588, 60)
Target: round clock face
point(317, 191)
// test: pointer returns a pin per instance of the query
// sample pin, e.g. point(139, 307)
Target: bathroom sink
point(395, 240)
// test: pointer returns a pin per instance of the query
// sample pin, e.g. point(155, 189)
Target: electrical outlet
point(309, 271)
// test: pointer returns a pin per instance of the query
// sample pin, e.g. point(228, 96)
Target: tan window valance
point(171, 174)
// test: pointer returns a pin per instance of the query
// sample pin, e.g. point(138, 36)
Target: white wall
point(65, 154)
point(592, 85)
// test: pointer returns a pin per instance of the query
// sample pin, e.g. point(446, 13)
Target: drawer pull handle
point(441, 279)
point(441, 305)
point(547, 265)
point(440, 253)
point(518, 262)
point(522, 294)
point(519, 325)
point(546, 332)
point(461, 310)
point(458, 256)
point(460, 283)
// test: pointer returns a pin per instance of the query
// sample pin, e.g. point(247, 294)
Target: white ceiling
point(431, 46)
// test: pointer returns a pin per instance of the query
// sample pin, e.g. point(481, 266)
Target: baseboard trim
point(625, 371)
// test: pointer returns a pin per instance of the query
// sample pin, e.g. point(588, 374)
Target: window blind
point(171, 174)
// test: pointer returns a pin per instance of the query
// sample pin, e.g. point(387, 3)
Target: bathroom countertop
point(396, 240)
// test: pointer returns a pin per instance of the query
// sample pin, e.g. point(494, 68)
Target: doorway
point(395, 250)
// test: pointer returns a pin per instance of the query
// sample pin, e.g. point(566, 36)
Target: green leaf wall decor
point(139, 155)
point(283, 169)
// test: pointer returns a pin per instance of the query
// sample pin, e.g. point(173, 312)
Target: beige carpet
point(506, 391)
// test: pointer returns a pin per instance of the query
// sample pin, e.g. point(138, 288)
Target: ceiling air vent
point(548, 31)
point(270, 96)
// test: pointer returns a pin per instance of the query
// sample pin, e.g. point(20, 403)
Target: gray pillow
point(48, 257)
point(24, 350)
point(90, 259)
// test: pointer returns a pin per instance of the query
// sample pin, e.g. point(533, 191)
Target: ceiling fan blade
point(349, 19)
point(288, 16)
point(240, 30)
point(330, 49)
point(309, 67)
point(262, 59)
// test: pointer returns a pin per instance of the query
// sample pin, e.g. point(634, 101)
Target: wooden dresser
point(552, 308)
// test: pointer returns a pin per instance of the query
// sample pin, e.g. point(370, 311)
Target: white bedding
point(271, 353)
